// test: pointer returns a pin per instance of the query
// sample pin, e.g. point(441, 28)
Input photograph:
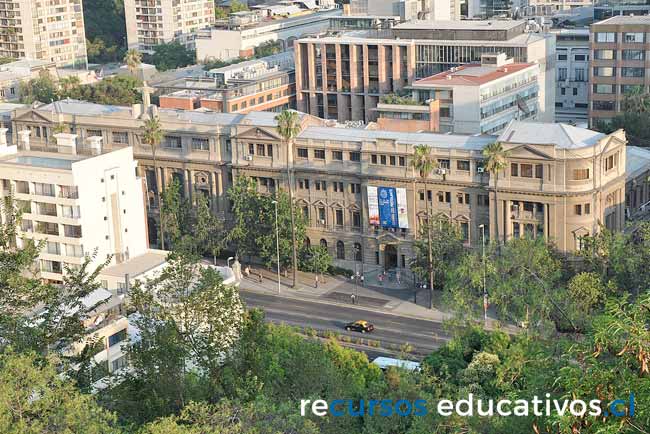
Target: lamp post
point(230, 258)
point(277, 241)
point(485, 295)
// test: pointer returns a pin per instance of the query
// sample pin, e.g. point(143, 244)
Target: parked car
point(360, 326)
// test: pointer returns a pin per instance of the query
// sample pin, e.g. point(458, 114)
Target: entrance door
point(390, 257)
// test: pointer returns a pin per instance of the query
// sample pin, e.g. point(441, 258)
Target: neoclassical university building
point(356, 186)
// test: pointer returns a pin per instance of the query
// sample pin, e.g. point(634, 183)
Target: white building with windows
point(76, 204)
point(572, 83)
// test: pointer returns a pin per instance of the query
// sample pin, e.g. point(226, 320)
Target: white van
point(386, 362)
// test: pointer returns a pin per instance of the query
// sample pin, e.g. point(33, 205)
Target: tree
point(245, 212)
point(152, 135)
point(105, 30)
point(206, 230)
point(496, 161)
point(172, 55)
point(174, 214)
point(442, 250)
point(424, 163)
point(268, 48)
point(289, 126)
point(69, 85)
point(220, 13)
point(318, 260)
point(117, 90)
point(42, 89)
point(36, 399)
point(133, 59)
point(237, 6)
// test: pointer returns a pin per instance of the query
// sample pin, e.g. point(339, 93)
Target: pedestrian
point(316, 281)
point(247, 271)
point(259, 275)
point(381, 279)
point(353, 298)
point(398, 275)
point(362, 279)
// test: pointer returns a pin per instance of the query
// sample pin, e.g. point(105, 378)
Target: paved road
point(423, 335)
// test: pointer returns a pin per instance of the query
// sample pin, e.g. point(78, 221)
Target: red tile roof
point(473, 74)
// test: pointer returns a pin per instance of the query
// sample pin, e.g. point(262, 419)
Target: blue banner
point(387, 202)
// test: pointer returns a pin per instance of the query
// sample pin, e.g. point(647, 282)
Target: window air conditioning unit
point(248, 158)
point(480, 169)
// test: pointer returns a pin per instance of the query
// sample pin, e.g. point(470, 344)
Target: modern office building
point(561, 181)
point(572, 80)
point(343, 76)
point(604, 9)
point(482, 98)
point(485, 9)
point(620, 47)
point(407, 10)
point(49, 30)
point(153, 22)
point(77, 204)
point(242, 32)
point(266, 84)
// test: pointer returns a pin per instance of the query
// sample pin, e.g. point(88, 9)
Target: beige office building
point(343, 76)
point(50, 30)
point(561, 181)
point(153, 22)
point(620, 48)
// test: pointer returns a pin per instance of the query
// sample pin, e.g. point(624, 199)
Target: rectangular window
point(628, 88)
point(338, 187)
point(604, 71)
point(444, 163)
point(117, 338)
point(539, 171)
point(514, 169)
point(302, 153)
point(93, 133)
point(319, 154)
point(355, 188)
point(373, 159)
point(251, 149)
point(580, 57)
point(261, 149)
point(605, 54)
point(355, 156)
point(606, 37)
point(392, 160)
point(562, 57)
point(634, 37)
point(578, 209)
point(561, 74)
point(121, 137)
point(587, 208)
point(382, 159)
point(580, 174)
point(633, 55)
point(200, 144)
point(483, 200)
point(339, 217)
point(611, 162)
point(356, 219)
point(337, 155)
point(632, 72)
point(579, 74)
point(269, 150)
point(173, 142)
point(402, 161)
point(462, 165)
point(604, 105)
point(527, 170)
point(604, 88)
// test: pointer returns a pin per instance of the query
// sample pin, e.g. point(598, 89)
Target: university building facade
point(561, 182)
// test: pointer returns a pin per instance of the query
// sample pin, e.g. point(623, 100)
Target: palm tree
point(425, 163)
point(152, 135)
point(289, 127)
point(496, 160)
point(133, 59)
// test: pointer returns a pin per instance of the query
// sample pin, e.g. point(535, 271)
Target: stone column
point(546, 220)
point(186, 183)
point(397, 70)
point(23, 139)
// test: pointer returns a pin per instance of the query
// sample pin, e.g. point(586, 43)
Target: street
point(423, 335)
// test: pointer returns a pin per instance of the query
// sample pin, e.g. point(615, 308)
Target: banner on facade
point(387, 207)
point(373, 207)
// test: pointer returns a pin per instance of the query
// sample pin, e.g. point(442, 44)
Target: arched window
point(307, 243)
point(340, 250)
point(323, 242)
point(357, 252)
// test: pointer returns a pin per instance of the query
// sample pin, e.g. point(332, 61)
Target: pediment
point(337, 205)
point(461, 218)
point(580, 232)
point(388, 237)
point(258, 133)
point(320, 203)
point(33, 116)
point(526, 152)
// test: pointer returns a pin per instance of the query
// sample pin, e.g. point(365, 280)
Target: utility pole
point(277, 242)
point(485, 295)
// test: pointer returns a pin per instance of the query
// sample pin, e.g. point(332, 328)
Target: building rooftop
point(460, 25)
point(626, 19)
point(432, 139)
point(137, 265)
point(472, 74)
point(637, 161)
point(563, 136)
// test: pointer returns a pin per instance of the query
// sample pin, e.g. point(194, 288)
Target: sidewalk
point(337, 290)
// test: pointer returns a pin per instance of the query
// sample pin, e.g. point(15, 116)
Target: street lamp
point(485, 295)
point(277, 241)
point(230, 258)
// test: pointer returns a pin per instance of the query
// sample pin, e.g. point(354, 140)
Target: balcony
point(47, 228)
point(68, 192)
point(72, 231)
point(46, 209)
point(43, 189)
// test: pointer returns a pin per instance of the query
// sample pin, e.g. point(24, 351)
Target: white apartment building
point(153, 22)
point(77, 204)
point(483, 98)
point(51, 30)
point(247, 30)
point(572, 81)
